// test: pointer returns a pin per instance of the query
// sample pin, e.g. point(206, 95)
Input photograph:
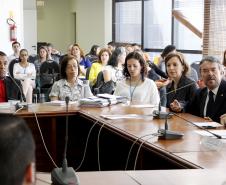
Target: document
point(60, 103)
point(126, 116)
point(208, 125)
point(221, 133)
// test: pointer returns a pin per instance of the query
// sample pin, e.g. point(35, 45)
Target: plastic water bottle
point(85, 89)
point(42, 98)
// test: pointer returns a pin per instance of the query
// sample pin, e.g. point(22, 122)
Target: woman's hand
point(162, 82)
point(176, 106)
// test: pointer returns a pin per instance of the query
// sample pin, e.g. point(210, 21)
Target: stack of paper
point(5, 105)
point(119, 99)
point(101, 100)
point(59, 103)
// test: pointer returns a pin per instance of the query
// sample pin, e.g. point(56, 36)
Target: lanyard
point(132, 91)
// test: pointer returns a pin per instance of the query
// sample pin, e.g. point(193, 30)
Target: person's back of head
point(17, 151)
point(113, 60)
point(167, 50)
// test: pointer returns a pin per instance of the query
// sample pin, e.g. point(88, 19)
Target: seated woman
point(70, 85)
point(96, 67)
point(84, 62)
point(177, 70)
point(136, 87)
point(93, 54)
point(26, 73)
point(111, 73)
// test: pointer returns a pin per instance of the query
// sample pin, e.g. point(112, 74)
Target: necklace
point(130, 89)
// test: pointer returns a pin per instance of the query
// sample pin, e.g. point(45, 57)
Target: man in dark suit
point(10, 89)
point(210, 102)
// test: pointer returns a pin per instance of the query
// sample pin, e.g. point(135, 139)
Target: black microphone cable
point(127, 161)
point(202, 128)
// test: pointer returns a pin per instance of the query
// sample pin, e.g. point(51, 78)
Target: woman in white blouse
point(26, 73)
point(136, 87)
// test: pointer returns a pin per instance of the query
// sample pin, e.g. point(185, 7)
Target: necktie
point(210, 105)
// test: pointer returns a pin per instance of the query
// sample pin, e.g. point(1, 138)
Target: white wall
point(93, 23)
point(30, 26)
point(16, 7)
point(55, 23)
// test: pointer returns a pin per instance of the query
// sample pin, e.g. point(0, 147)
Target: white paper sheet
point(221, 133)
point(126, 116)
point(208, 124)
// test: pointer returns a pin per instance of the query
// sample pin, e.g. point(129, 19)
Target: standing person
point(78, 53)
point(42, 57)
point(69, 84)
point(53, 54)
point(98, 66)
point(10, 89)
point(26, 73)
point(17, 150)
point(177, 70)
point(16, 51)
point(209, 102)
point(136, 87)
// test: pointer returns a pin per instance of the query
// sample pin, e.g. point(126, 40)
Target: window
point(150, 23)
point(193, 12)
point(157, 23)
point(128, 22)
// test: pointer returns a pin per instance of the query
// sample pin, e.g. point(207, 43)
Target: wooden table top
point(149, 177)
point(188, 148)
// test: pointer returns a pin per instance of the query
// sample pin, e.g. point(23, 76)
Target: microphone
point(158, 114)
point(167, 134)
point(22, 104)
point(157, 70)
point(65, 175)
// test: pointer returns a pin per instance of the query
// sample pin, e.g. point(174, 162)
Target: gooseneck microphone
point(168, 134)
point(159, 114)
point(65, 175)
point(22, 104)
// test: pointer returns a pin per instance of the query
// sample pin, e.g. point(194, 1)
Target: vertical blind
point(214, 39)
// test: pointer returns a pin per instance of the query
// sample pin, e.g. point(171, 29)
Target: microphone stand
point(167, 134)
point(65, 175)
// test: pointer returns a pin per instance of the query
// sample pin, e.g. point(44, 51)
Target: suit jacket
point(196, 106)
point(13, 92)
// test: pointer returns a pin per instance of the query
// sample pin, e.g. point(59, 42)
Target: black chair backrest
point(49, 73)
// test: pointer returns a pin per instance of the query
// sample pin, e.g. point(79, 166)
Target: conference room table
point(111, 140)
point(148, 177)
